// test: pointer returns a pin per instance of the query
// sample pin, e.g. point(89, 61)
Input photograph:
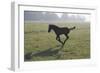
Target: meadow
point(39, 45)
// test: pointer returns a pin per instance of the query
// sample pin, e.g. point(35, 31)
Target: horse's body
point(59, 31)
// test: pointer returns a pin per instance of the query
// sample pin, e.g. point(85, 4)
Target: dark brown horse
point(59, 31)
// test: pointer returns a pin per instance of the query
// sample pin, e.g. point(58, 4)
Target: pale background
point(5, 35)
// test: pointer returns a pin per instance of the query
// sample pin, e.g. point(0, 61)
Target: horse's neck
point(55, 28)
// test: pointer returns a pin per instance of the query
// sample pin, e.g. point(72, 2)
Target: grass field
point(39, 45)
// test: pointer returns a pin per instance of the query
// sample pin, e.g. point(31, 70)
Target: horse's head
point(49, 28)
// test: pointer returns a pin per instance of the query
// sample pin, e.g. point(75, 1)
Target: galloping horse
point(59, 31)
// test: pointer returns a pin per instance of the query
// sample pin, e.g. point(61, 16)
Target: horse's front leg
point(58, 39)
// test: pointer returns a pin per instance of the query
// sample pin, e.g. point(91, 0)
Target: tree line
point(51, 16)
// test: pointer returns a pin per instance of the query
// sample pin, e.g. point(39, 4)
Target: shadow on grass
point(44, 53)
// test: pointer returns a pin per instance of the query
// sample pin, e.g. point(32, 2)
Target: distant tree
point(76, 18)
point(80, 18)
point(49, 16)
point(33, 15)
point(64, 17)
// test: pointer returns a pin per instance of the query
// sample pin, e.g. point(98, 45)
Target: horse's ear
point(74, 27)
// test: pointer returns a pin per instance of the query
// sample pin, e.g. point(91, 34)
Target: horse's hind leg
point(67, 37)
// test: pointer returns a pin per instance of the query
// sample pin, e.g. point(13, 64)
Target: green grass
point(37, 40)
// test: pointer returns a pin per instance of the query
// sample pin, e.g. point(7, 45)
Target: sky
point(38, 16)
point(87, 16)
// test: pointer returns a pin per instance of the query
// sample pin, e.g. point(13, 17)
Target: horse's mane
point(51, 25)
point(54, 26)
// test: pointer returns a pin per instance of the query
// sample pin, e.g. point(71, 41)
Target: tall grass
point(38, 40)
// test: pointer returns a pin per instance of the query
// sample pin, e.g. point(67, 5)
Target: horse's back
point(64, 30)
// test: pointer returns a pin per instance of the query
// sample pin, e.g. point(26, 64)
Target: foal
point(59, 31)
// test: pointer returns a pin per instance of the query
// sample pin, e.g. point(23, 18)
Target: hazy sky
point(87, 16)
point(36, 15)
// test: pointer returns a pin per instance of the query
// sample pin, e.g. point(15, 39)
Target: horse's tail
point(72, 28)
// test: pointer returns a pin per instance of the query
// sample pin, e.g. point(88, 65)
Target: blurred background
point(55, 17)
